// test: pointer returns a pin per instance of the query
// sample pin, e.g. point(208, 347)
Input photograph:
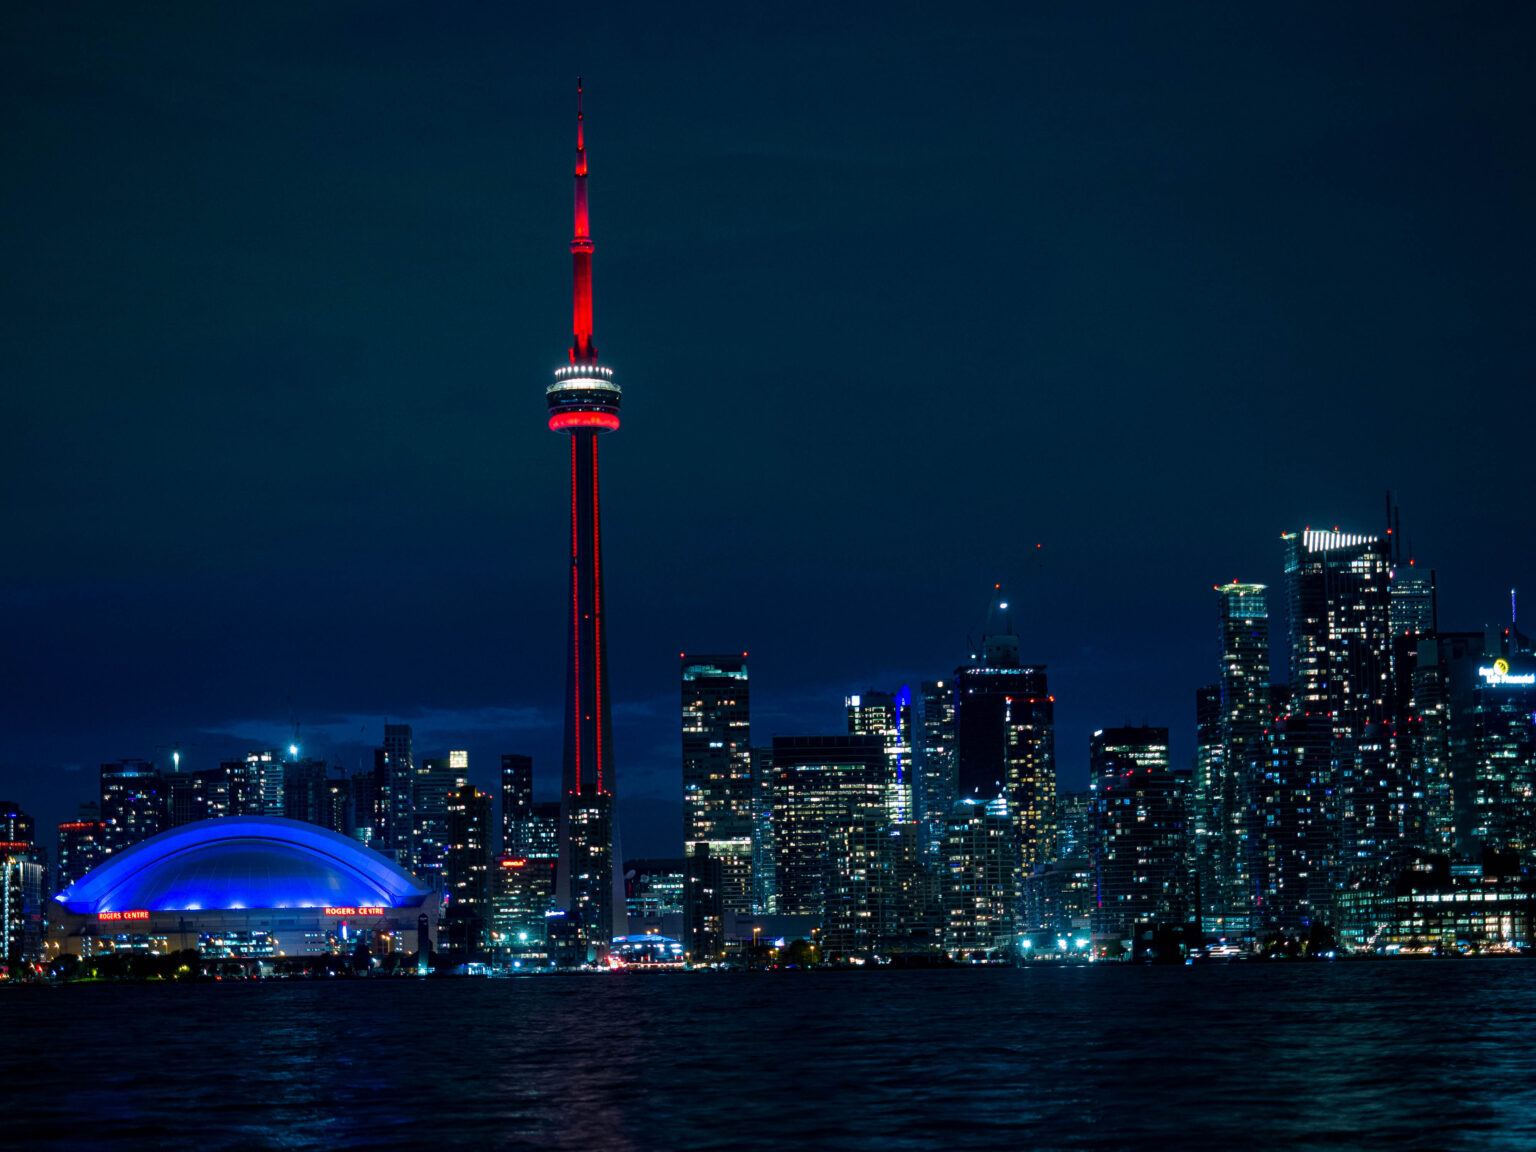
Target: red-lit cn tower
point(583, 402)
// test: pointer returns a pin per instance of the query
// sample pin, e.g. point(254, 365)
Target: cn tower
point(584, 402)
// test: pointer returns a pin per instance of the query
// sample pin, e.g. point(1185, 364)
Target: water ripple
point(1392, 1055)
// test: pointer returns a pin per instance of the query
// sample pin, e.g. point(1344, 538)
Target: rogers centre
point(244, 886)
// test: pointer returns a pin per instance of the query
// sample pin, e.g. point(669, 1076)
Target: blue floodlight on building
point(243, 862)
point(298, 888)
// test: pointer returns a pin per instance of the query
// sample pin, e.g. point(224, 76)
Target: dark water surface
point(1387, 1055)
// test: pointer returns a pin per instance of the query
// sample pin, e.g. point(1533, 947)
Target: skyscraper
point(516, 803)
point(256, 784)
point(132, 803)
point(1445, 683)
point(934, 792)
point(1295, 846)
point(980, 878)
point(583, 402)
point(16, 827)
point(703, 908)
point(81, 845)
point(311, 794)
point(889, 716)
point(765, 886)
point(1339, 589)
point(467, 865)
point(23, 889)
point(436, 779)
point(393, 793)
point(819, 781)
point(1212, 867)
point(717, 768)
point(1006, 743)
point(1139, 861)
point(1503, 722)
point(522, 893)
point(1243, 616)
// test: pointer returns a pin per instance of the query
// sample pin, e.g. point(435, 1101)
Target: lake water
point(1405, 1054)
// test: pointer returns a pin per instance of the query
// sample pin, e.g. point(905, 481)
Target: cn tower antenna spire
point(583, 351)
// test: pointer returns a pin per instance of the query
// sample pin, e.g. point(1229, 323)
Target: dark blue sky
point(895, 295)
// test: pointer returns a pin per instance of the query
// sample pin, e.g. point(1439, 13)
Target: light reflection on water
point(1386, 1055)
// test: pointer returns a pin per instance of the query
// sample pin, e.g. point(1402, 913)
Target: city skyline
point(191, 573)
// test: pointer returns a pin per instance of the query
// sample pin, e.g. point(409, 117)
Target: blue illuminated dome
point(243, 862)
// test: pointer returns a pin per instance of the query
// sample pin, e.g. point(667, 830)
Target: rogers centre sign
point(354, 911)
point(136, 914)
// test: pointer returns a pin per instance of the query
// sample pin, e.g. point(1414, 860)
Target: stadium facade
point(245, 886)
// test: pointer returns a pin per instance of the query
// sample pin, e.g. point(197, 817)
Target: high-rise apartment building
point(1339, 590)
point(544, 830)
point(23, 892)
point(82, 845)
point(654, 888)
point(703, 905)
point(882, 895)
point(1140, 870)
point(23, 889)
point(1445, 767)
point(889, 716)
point(252, 786)
point(818, 781)
point(516, 803)
point(1075, 823)
point(467, 861)
point(186, 798)
point(132, 803)
point(233, 789)
point(980, 881)
point(1243, 631)
point(1006, 744)
point(523, 893)
point(717, 768)
point(1295, 844)
point(313, 795)
point(436, 779)
point(1058, 895)
point(934, 784)
point(1206, 825)
point(16, 827)
point(1503, 722)
point(365, 805)
point(394, 777)
point(765, 888)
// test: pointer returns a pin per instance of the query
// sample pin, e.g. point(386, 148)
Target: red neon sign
point(354, 911)
point(135, 914)
point(514, 863)
point(563, 420)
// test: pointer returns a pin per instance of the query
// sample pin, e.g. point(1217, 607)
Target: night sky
point(896, 294)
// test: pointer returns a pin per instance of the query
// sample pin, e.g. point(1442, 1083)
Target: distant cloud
point(368, 728)
point(656, 706)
